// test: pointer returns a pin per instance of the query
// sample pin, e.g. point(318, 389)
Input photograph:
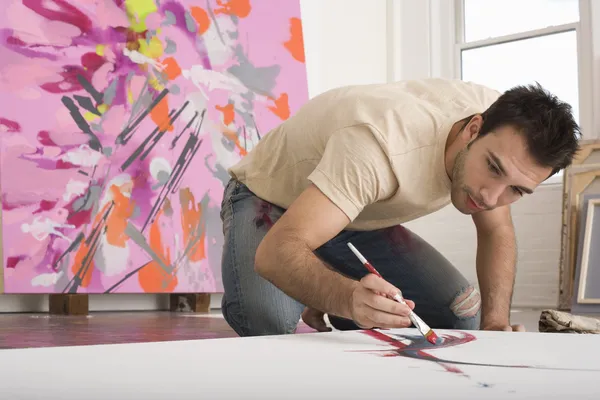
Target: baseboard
point(20, 303)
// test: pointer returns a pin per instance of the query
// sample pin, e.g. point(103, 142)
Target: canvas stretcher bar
point(590, 237)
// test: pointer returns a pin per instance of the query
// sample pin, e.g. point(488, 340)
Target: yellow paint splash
point(89, 116)
point(137, 11)
point(153, 49)
point(100, 49)
point(102, 108)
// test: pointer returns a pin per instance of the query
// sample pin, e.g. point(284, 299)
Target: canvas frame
point(576, 179)
point(590, 236)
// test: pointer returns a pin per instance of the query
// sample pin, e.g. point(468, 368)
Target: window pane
point(486, 18)
point(550, 60)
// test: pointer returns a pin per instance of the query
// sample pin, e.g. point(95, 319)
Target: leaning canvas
point(119, 120)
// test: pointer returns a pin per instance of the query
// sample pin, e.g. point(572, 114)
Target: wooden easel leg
point(69, 304)
point(190, 302)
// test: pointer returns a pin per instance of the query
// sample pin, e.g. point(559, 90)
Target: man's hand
point(372, 306)
point(510, 328)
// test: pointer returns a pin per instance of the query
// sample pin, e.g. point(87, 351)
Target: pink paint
point(45, 47)
point(6, 125)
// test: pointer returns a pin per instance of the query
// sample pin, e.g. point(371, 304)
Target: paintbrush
point(425, 330)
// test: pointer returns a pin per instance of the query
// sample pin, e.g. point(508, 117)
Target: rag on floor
point(559, 321)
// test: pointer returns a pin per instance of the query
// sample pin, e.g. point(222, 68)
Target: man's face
point(493, 171)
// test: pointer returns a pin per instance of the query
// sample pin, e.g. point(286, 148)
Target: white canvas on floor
point(337, 365)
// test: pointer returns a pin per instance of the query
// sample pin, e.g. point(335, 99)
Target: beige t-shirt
point(376, 151)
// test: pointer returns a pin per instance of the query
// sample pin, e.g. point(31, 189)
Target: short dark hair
point(551, 132)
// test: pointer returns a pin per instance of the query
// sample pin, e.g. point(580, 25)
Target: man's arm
point(285, 256)
point(496, 265)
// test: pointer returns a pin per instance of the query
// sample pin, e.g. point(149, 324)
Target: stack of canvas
point(580, 252)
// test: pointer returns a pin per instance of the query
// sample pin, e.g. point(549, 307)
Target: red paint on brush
point(372, 270)
point(432, 337)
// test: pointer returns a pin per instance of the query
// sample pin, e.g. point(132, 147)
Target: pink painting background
point(56, 186)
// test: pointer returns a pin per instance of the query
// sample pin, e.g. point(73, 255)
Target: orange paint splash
point(296, 43)
point(191, 214)
point(202, 18)
point(83, 250)
point(160, 115)
point(172, 69)
point(153, 278)
point(281, 108)
point(228, 113)
point(238, 8)
point(232, 135)
point(117, 218)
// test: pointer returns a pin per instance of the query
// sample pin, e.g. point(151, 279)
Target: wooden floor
point(42, 330)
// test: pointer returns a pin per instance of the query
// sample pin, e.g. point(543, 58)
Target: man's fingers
point(386, 320)
point(386, 305)
point(381, 287)
point(378, 284)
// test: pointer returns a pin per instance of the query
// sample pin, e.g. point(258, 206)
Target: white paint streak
point(213, 80)
point(40, 228)
point(159, 164)
point(46, 280)
point(83, 156)
point(139, 58)
point(74, 188)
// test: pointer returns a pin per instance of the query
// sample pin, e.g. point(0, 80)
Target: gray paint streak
point(136, 236)
point(261, 80)
point(111, 91)
point(169, 19)
point(190, 23)
point(171, 46)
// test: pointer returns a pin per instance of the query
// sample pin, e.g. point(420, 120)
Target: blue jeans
point(253, 306)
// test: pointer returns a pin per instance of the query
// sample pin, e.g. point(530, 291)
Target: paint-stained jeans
point(253, 306)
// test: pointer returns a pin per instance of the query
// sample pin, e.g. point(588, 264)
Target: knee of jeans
point(255, 323)
point(466, 308)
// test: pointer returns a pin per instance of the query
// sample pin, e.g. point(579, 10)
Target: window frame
point(585, 61)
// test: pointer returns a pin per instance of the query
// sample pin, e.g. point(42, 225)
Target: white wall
point(365, 41)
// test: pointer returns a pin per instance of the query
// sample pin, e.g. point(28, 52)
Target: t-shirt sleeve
point(354, 170)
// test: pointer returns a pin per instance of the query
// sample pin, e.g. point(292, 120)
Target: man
point(353, 165)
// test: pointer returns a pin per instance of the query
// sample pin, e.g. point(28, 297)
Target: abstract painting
point(118, 122)
point(337, 365)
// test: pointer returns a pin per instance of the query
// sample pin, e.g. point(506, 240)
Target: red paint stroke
point(11, 262)
point(262, 217)
point(400, 235)
point(61, 164)
point(418, 344)
point(7, 125)
point(45, 205)
point(60, 10)
point(44, 138)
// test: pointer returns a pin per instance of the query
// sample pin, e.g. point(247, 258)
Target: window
point(506, 43)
